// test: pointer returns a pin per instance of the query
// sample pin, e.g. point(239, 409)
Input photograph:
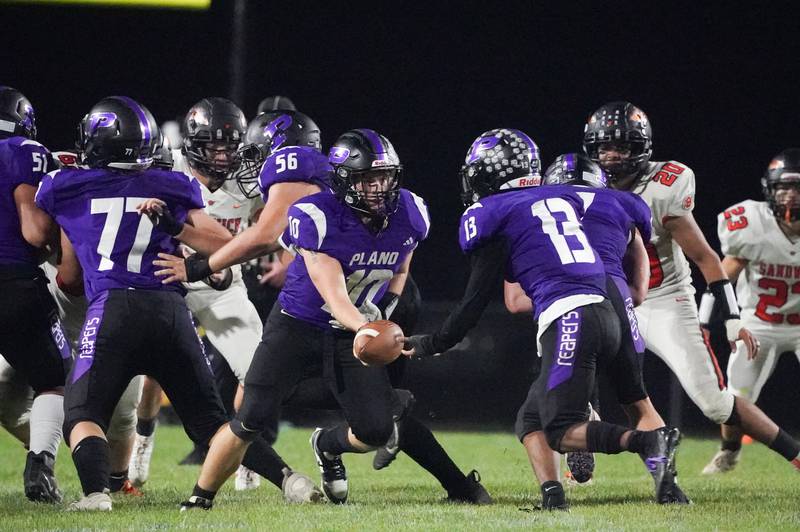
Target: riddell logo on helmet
point(380, 162)
point(529, 181)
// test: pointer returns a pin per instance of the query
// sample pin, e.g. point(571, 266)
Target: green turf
point(763, 493)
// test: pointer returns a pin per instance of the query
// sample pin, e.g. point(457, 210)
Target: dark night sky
point(718, 83)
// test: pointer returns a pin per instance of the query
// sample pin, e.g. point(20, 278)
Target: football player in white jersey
point(761, 244)
point(618, 136)
point(212, 131)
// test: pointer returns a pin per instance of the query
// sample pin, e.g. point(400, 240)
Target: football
point(378, 343)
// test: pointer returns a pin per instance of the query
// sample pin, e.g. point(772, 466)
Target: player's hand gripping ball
point(378, 343)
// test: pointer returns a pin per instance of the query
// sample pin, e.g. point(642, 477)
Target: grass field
point(763, 493)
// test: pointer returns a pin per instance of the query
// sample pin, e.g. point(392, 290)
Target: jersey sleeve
point(735, 231)
point(307, 227)
point(31, 162)
point(642, 216)
point(44, 198)
point(290, 165)
point(681, 200)
point(418, 215)
point(478, 226)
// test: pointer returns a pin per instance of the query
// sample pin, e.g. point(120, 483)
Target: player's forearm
point(710, 266)
point(246, 246)
point(204, 242)
point(515, 299)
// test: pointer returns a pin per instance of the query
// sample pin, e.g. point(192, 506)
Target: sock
point(419, 443)
point(733, 445)
point(116, 480)
point(335, 441)
point(145, 427)
point(785, 445)
point(92, 462)
point(639, 441)
point(46, 420)
point(603, 437)
point(262, 458)
point(197, 491)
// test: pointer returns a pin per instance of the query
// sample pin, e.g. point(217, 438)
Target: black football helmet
point(360, 158)
point(17, 118)
point(575, 169)
point(118, 132)
point(275, 103)
point(499, 159)
point(213, 131)
point(620, 123)
point(268, 132)
point(783, 173)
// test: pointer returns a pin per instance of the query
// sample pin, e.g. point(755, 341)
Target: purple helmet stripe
point(143, 122)
point(569, 162)
point(375, 140)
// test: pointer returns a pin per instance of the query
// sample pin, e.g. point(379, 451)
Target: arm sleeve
point(31, 162)
point(44, 194)
point(487, 266)
point(642, 218)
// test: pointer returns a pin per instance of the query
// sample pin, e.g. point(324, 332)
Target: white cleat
point(94, 502)
point(139, 467)
point(724, 461)
point(246, 479)
point(299, 488)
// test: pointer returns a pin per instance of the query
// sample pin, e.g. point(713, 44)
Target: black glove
point(220, 283)
point(196, 268)
point(387, 304)
point(422, 344)
point(166, 222)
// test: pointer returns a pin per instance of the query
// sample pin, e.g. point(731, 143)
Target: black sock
point(262, 458)
point(603, 437)
point(335, 440)
point(640, 440)
point(200, 492)
point(116, 480)
point(145, 427)
point(785, 445)
point(417, 441)
point(91, 457)
point(731, 445)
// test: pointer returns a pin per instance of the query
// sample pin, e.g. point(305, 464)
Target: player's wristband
point(387, 304)
point(706, 308)
point(197, 268)
point(725, 299)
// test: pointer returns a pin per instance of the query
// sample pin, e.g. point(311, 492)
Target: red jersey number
point(656, 273)
point(776, 299)
point(734, 218)
point(668, 174)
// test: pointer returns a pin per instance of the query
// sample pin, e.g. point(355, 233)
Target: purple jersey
point(22, 161)
point(549, 254)
point(321, 222)
point(115, 245)
point(294, 164)
point(609, 218)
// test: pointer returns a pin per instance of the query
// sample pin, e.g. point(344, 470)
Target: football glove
point(422, 344)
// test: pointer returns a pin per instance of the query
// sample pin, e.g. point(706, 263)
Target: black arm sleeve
point(487, 266)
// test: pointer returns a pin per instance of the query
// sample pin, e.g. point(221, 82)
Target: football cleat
point(142, 453)
point(334, 475)
point(299, 488)
point(196, 502)
point(581, 463)
point(129, 489)
point(553, 496)
point(660, 462)
point(98, 501)
point(725, 460)
point(471, 492)
point(39, 478)
point(246, 479)
point(385, 455)
point(796, 463)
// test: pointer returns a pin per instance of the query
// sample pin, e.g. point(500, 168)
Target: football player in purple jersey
point(31, 336)
point(617, 225)
point(533, 235)
point(352, 247)
point(134, 324)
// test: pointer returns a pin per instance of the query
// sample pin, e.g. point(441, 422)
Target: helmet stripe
point(529, 141)
point(143, 122)
point(375, 140)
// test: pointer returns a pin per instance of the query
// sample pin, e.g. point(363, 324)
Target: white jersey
point(227, 205)
point(668, 189)
point(768, 288)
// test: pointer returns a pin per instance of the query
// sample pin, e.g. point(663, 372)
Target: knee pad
point(375, 435)
point(246, 433)
point(716, 405)
point(526, 422)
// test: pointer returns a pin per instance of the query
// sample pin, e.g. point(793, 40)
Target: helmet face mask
point(500, 159)
point(120, 133)
point(268, 132)
point(212, 134)
point(367, 174)
point(17, 117)
point(781, 186)
point(619, 138)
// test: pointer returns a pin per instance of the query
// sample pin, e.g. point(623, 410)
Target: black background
point(718, 80)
